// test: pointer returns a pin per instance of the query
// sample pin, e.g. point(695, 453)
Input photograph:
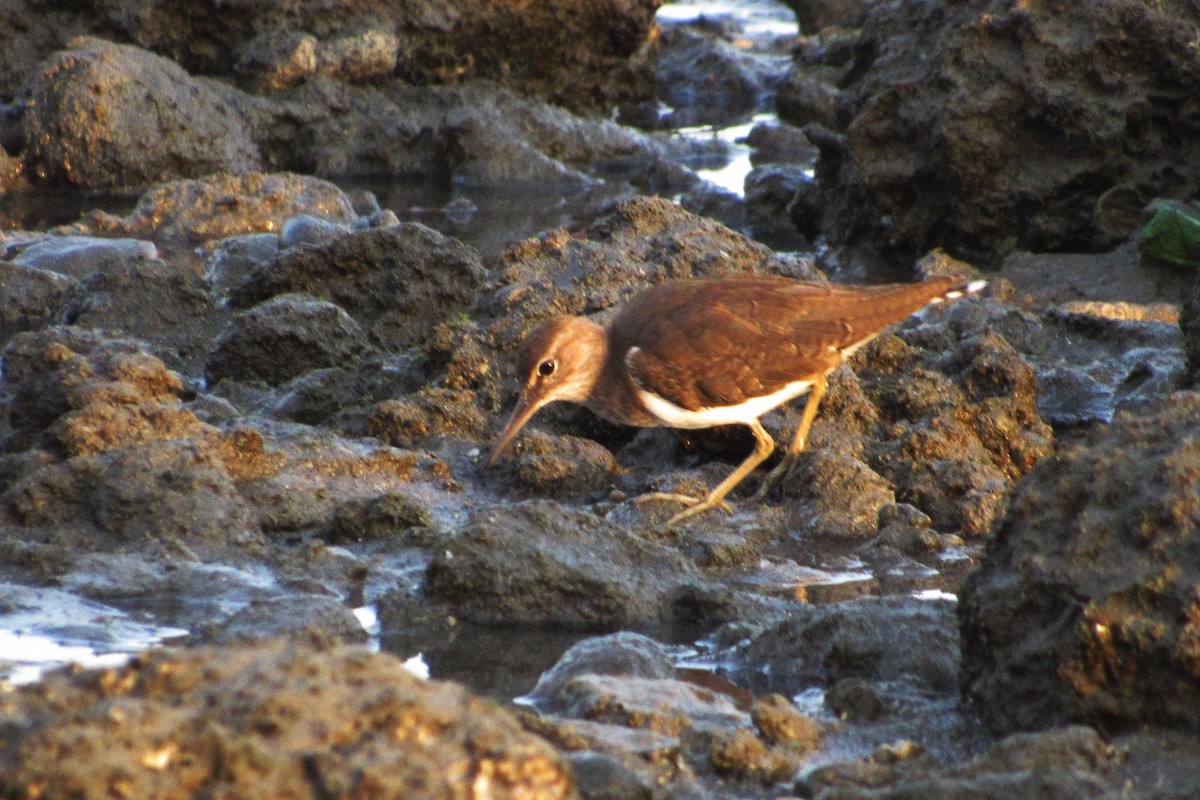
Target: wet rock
point(779, 722)
point(882, 640)
point(1069, 396)
point(708, 81)
point(626, 654)
point(283, 337)
point(388, 516)
point(150, 122)
point(804, 100)
point(990, 93)
point(306, 229)
point(277, 702)
point(345, 399)
point(1083, 608)
point(777, 143)
point(164, 492)
point(415, 418)
point(537, 563)
point(219, 206)
point(855, 699)
point(479, 157)
point(81, 256)
point(28, 297)
point(743, 755)
point(396, 282)
point(816, 16)
point(669, 707)
point(288, 616)
point(234, 258)
point(602, 777)
point(96, 392)
point(1067, 763)
point(117, 298)
point(558, 466)
point(837, 495)
point(769, 193)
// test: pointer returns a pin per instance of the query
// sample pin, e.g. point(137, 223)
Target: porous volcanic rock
point(587, 55)
point(1085, 606)
point(110, 116)
point(987, 126)
point(539, 563)
point(284, 337)
point(397, 282)
point(300, 718)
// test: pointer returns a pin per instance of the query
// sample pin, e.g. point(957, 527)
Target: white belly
point(743, 413)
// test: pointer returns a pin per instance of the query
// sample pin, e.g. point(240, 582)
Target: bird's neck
point(590, 345)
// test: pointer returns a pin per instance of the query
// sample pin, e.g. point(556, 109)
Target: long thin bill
point(520, 416)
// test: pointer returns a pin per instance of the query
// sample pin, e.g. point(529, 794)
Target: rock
point(837, 496)
point(288, 616)
point(955, 108)
point(219, 206)
point(622, 654)
point(708, 81)
point(417, 417)
point(276, 704)
point(816, 16)
point(233, 258)
point(397, 282)
point(1083, 608)
point(278, 58)
point(558, 466)
point(149, 122)
point(89, 391)
point(803, 100)
point(1066, 763)
point(590, 60)
point(164, 492)
point(117, 298)
point(882, 640)
point(82, 256)
point(28, 298)
point(282, 338)
point(602, 777)
point(779, 722)
point(538, 563)
point(778, 143)
point(306, 229)
point(389, 516)
point(666, 706)
point(744, 756)
point(769, 193)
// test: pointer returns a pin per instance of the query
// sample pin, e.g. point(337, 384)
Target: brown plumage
point(711, 351)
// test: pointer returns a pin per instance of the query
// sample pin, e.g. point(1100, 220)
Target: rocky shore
point(242, 400)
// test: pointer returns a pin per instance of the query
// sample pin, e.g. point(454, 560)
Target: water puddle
point(41, 629)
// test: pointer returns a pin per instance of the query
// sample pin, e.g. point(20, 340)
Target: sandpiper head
point(559, 360)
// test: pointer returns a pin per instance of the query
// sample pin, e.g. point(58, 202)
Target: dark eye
point(547, 367)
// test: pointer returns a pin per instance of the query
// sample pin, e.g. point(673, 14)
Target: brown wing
point(714, 342)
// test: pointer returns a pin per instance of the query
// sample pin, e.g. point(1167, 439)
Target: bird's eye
point(547, 367)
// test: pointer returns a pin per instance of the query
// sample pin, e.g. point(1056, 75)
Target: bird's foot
point(777, 477)
point(695, 504)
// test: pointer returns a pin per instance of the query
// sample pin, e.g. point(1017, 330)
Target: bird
point(699, 352)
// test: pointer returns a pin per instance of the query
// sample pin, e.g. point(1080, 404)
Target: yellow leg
point(783, 471)
point(763, 447)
